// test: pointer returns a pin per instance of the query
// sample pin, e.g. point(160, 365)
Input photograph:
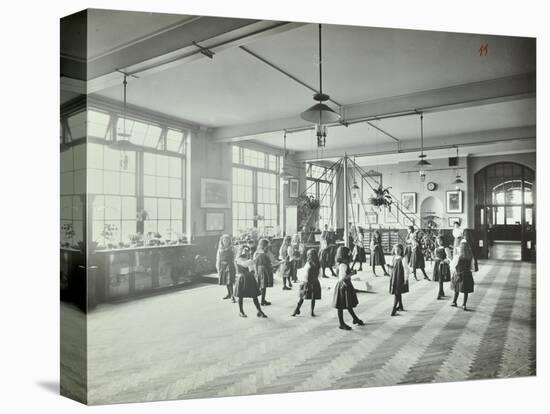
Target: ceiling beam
point(173, 47)
point(433, 143)
point(454, 97)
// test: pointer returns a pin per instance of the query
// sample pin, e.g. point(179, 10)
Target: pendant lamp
point(121, 140)
point(457, 180)
point(320, 113)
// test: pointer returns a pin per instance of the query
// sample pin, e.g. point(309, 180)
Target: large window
point(319, 185)
point(73, 189)
point(255, 191)
point(163, 195)
point(121, 185)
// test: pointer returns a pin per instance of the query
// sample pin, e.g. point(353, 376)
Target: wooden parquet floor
point(191, 344)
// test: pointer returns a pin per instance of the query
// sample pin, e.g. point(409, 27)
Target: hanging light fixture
point(320, 114)
point(422, 156)
point(121, 140)
point(283, 174)
point(457, 180)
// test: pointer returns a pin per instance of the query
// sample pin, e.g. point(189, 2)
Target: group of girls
point(345, 295)
point(248, 275)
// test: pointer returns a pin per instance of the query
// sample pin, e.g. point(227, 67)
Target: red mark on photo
point(484, 49)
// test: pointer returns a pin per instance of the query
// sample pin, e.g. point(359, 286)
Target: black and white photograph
point(217, 218)
point(276, 207)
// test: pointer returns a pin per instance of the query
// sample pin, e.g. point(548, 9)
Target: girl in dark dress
point(442, 271)
point(399, 280)
point(263, 269)
point(463, 280)
point(285, 253)
point(377, 254)
point(359, 255)
point(327, 252)
point(225, 264)
point(345, 296)
point(311, 288)
point(417, 256)
point(246, 285)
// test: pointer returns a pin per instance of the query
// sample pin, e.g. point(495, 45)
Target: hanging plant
point(381, 197)
point(306, 202)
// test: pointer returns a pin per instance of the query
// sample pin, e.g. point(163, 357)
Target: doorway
point(505, 212)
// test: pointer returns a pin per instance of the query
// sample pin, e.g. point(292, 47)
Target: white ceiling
point(111, 29)
point(509, 114)
point(360, 64)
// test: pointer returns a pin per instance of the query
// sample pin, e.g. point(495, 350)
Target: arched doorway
point(505, 211)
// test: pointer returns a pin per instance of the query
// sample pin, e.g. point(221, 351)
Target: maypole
point(346, 227)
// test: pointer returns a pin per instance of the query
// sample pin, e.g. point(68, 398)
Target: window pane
point(149, 185)
point(77, 125)
point(128, 208)
point(112, 208)
point(150, 206)
point(163, 208)
point(111, 182)
point(162, 187)
point(174, 140)
point(98, 123)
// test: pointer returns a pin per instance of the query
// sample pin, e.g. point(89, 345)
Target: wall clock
point(431, 186)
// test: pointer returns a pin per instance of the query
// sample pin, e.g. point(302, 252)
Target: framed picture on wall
point(454, 201)
point(293, 187)
point(215, 221)
point(371, 217)
point(408, 202)
point(391, 216)
point(215, 193)
point(453, 220)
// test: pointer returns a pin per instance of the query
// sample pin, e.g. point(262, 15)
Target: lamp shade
point(423, 162)
point(123, 145)
point(458, 180)
point(320, 113)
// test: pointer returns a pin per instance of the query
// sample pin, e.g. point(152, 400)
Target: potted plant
point(308, 207)
point(381, 197)
point(108, 233)
point(68, 234)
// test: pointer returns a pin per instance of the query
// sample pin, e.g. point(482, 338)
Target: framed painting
point(215, 193)
point(454, 201)
point(371, 217)
point(408, 202)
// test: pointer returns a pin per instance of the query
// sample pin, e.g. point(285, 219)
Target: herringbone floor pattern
point(191, 344)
